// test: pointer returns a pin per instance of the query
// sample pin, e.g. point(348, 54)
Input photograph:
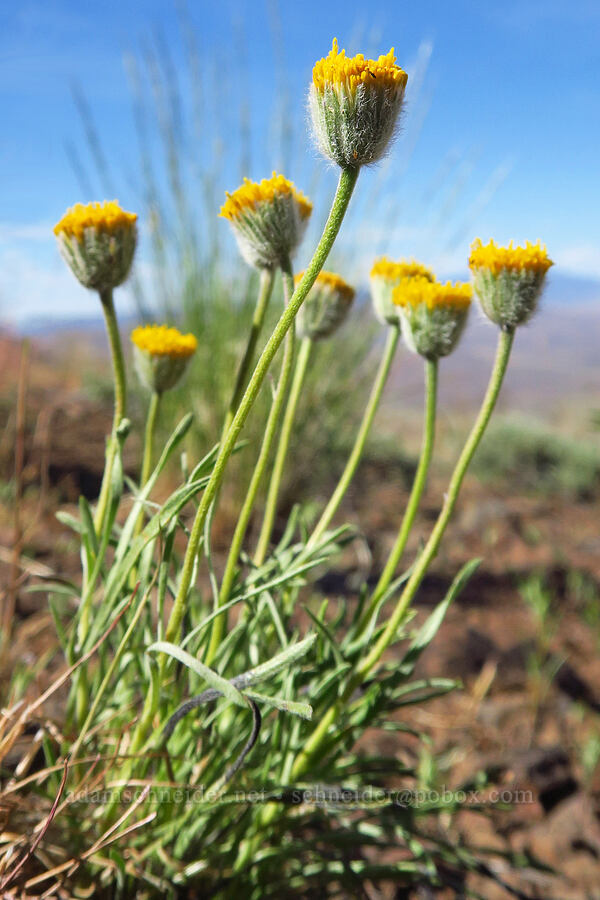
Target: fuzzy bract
point(326, 306)
point(433, 315)
point(161, 355)
point(509, 280)
point(355, 105)
point(98, 242)
point(387, 275)
point(268, 218)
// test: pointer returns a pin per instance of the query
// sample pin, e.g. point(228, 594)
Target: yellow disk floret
point(106, 217)
point(416, 291)
point(333, 282)
point(252, 193)
point(337, 69)
point(395, 271)
point(531, 257)
point(160, 340)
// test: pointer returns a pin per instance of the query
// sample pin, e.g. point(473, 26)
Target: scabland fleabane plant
point(355, 105)
point(509, 280)
point(163, 692)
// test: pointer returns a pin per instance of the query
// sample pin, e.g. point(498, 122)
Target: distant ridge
point(562, 289)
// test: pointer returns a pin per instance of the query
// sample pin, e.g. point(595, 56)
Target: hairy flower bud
point(509, 280)
point(98, 242)
point(161, 355)
point(387, 275)
point(433, 314)
point(355, 105)
point(268, 218)
point(326, 306)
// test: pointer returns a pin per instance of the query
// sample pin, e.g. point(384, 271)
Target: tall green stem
point(267, 277)
point(315, 741)
point(344, 191)
point(257, 476)
point(361, 437)
point(431, 380)
point(282, 449)
point(114, 339)
point(151, 418)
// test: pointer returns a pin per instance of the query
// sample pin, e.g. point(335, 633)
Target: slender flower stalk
point(257, 477)
point(433, 318)
point(149, 432)
point(366, 665)
point(347, 182)
point(120, 403)
point(267, 277)
point(148, 454)
point(330, 510)
point(431, 381)
point(284, 442)
point(324, 311)
point(505, 342)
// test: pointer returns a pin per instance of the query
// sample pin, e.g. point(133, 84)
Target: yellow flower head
point(105, 218)
point(268, 218)
point(531, 257)
point(337, 69)
point(160, 340)
point(252, 193)
point(509, 280)
point(97, 241)
point(326, 306)
point(355, 104)
point(333, 282)
point(385, 275)
point(433, 294)
point(161, 355)
point(396, 271)
point(433, 314)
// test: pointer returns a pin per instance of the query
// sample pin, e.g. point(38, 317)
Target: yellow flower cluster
point(160, 340)
point(531, 257)
point(416, 291)
point(395, 271)
point(105, 217)
point(351, 71)
point(333, 282)
point(251, 193)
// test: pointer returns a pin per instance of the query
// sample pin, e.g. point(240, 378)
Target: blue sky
point(501, 135)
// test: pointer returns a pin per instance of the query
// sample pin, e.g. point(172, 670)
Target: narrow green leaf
point(281, 661)
point(219, 684)
point(87, 524)
point(70, 521)
point(327, 636)
point(304, 710)
point(205, 622)
point(430, 627)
